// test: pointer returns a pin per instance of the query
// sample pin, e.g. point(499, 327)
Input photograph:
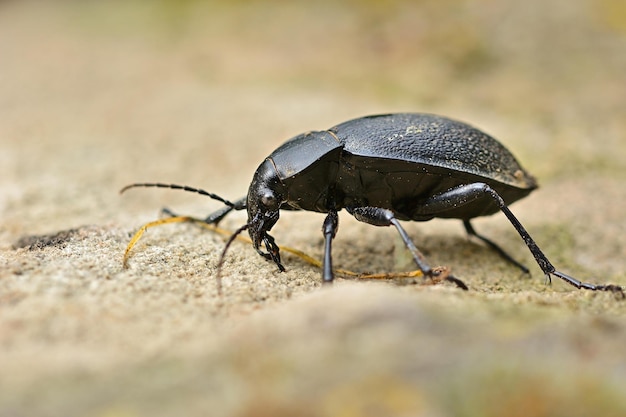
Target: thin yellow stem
point(308, 259)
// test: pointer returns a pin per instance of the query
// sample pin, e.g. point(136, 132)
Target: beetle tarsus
point(441, 274)
point(615, 289)
point(457, 282)
point(273, 251)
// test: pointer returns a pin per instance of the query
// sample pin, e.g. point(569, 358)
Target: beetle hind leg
point(465, 194)
point(472, 232)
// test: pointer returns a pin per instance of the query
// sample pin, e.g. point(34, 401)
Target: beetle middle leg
point(384, 217)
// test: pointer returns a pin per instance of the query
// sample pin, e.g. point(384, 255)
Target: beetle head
point(265, 196)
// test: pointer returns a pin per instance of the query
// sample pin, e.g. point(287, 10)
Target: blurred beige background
point(96, 95)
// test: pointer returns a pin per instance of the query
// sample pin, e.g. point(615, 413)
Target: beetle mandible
point(384, 169)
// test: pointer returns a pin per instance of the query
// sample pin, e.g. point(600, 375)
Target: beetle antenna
point(179, 187)
point(230, 240)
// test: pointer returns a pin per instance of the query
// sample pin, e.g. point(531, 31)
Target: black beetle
point(383, 169)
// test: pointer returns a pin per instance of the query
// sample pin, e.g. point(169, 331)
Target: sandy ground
point(98, 95)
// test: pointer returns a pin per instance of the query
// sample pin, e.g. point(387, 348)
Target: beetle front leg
point(217, 216)
point(273, 252)
point(329, 229)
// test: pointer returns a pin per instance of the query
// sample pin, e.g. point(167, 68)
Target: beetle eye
point(268, 199)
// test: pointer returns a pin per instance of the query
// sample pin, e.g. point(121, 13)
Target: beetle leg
point(273, 251)
point(384, 217)
point(329, 229)
point(467, 193)
point(470, 231)
point(218, 215)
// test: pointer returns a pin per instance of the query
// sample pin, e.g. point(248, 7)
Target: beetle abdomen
point(404, 186)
